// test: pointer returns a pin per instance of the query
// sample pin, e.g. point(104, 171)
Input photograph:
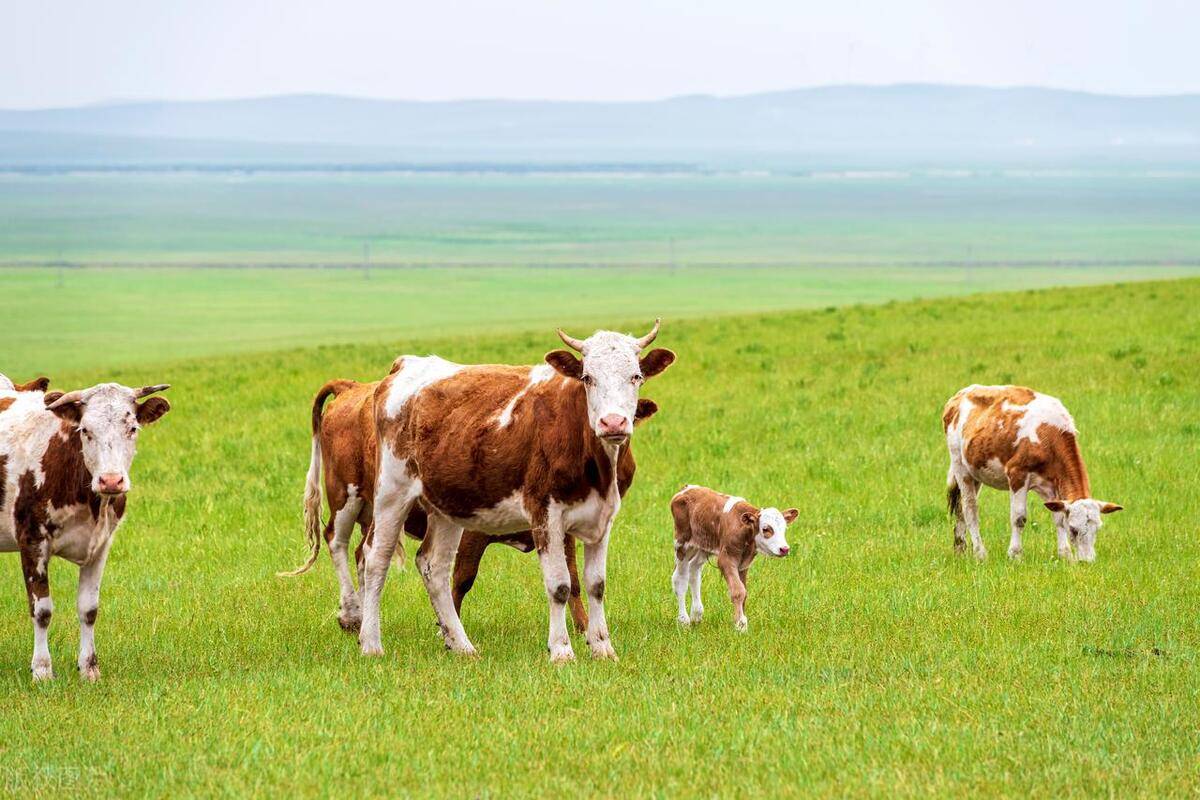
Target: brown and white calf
point(709, 523)
point(345, 451)
point(502, 449)
point(1013, 438)
point(64, 477)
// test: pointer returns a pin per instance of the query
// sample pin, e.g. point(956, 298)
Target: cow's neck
point(574, 409)
point(1071, 476)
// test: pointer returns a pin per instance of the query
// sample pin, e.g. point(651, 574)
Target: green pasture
point(877, 662)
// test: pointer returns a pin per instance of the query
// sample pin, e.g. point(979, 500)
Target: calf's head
point(770, 530)
point(612, 370)
point(1083, 520)
point(108, 418)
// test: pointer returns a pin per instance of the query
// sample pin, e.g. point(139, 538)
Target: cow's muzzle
point(111, 484)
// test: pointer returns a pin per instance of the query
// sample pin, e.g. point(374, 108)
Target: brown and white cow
point(1013, 438)
point(345, 450)
point(64, 477)
point(709, 523)
point(502, 449)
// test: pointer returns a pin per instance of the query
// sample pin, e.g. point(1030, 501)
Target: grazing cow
point(64, 477)
point(502, 449)
point(710, 523)
point(1013, 438)
point(344, 447)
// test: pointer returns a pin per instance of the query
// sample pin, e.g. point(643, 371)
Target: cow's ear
point(1056, 505)
point(150, 410)
point(565, 363)
point(790, 515)
point(71, 412)
point(656, 361)
point(645, 410)
point(750, 518)
point(36, 385)
point(1108, 508)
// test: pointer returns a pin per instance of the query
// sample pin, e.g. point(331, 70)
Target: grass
point(108, 317)
point(877, 662)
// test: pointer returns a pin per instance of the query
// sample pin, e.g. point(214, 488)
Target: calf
point(711, 523)
point(1013, 438)
point(64, 477)
point(501, 449)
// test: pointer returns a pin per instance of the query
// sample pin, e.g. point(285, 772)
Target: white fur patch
point(731, 502)
point(611, 362)
point(1042, 410)
point(538, 374)
point(771, 518)
point(507, 516)
point(417, 373)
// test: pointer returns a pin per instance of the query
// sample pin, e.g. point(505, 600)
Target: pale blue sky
point(57, 52)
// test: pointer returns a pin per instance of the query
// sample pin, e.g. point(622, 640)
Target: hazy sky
point(63, 52)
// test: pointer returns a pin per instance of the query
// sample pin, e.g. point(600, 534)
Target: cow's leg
point(392, 505)
point(471, 547)
point(970, 510)
point(35, 563)
point(87, 606)
point(960, 525)
point(551, 549)
point(699, 558)
point(579, 615)
point(337, 535)
point(737, 589)
point(595, 574)
point(680, 579)
point(1018, 499)
point(435, 560)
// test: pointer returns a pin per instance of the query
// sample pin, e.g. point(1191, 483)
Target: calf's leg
point(680, 579)
point(737, 590)
point(697, 567)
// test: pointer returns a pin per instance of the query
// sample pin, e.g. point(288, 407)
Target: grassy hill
point(876, 661)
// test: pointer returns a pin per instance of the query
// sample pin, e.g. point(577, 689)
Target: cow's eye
point(133, 431)
point(587, 380)
point(636, 379)
point(86, 433)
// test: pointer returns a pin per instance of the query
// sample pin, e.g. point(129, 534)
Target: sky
point(73, 52)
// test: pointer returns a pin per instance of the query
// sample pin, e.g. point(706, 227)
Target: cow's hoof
point(561, 654)
point(468, 650)
point(741, 625)
point(350, 622)
point(603, 649)
point(372, 648)
point(697, 615)
point(683, 620)
point(1065, 554)
point(1015, 553)
point(42, 671)
point(90, 672)
point(980, 554)
point(960, 545)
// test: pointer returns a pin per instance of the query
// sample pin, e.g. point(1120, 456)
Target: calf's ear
point(749, 518)
point(1108, 508)
point(656, 361)
point(645, 410)
point(790, 515)
point(150, 410)
point(1056, 505)
point(565, 363)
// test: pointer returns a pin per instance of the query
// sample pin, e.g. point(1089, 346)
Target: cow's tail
point(312, 484)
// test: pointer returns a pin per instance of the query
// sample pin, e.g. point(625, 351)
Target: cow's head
point(1083, 520)
point(108, 417)
point(612, 370)
point(770, 530)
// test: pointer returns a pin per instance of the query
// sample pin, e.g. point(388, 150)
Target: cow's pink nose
point(614, 425)
point(783, 551)
point(111, 483)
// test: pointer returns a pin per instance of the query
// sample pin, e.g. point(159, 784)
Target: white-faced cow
point(345, 450)
point(64, 476)
point(709, 523)
point(501, 449)
point(1013, 438)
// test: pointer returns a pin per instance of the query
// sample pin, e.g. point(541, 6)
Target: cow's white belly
point(507, 516)
point(589, 519)
point(75, 531)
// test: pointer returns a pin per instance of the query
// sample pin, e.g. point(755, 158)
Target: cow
point(500, 449)
point(709, 523)
point(1016, 439)
point(344, 449)
point(64, 481)
point(35, 385)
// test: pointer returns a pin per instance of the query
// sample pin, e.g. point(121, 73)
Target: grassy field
point(614, 219)
point(877, 662)
point(105, 317)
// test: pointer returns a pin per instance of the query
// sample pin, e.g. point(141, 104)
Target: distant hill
point(869, 121)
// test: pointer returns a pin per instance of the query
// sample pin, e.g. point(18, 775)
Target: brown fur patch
point(702, 522)
point(5, 402)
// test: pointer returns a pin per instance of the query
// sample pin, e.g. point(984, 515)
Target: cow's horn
point(146, 390)
point(69, 397)
point(570, 341)
point(645, 341)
